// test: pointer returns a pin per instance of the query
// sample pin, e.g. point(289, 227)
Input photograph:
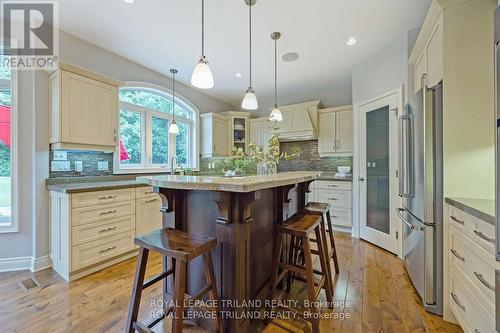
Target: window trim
point(193, 141)
point(13, 227)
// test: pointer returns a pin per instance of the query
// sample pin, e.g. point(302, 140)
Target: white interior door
point(378, 173)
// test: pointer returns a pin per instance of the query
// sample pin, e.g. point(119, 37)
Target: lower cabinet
point(94, 230)
point(339, 195)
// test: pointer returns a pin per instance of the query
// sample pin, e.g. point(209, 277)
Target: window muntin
point(155, 144)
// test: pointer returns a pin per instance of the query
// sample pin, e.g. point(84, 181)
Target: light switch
point(102, 166)
point(374, 165)
point(78, 166)
point(60, 155)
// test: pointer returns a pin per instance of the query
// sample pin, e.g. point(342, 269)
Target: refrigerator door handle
point(405, 176)
point(399, 211)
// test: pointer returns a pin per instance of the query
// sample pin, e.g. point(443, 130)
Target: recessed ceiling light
point(129, 1)
point(351, 41)
point(238, 75)
point(290, 56)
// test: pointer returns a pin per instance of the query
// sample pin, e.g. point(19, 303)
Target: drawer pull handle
point(108, 212)
point(457, 220)
point(477, 331)
point(459, 257)
point(151, 200)
point(335, 217)
point(483, 236)
point(332, 185)
point(107, 229)
point(149, 192)
point(457, 302)
point(108, 249)
point(332, 199)
point(107, 197)
point(483, 281)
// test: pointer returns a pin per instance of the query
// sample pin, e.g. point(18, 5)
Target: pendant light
point(275, 112)
point(174, 129)
point(250, 100)
point(202, 74)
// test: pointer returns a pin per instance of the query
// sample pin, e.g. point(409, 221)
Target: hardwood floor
point(373, 284)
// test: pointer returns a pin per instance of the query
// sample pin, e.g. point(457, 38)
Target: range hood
point(300, 121)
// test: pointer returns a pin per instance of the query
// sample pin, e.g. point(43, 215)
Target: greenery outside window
point(145, 144)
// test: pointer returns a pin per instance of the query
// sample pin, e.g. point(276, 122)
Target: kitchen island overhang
point(240, 212)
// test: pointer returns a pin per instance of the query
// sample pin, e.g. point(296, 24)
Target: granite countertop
point(331, 176)
point(93, 186)
point(230, 184)
point(483, 209)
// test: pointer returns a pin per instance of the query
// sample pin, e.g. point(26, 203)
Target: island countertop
point(241, 184)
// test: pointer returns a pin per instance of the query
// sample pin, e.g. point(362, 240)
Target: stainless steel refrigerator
point(497, 160)
point(421, 192)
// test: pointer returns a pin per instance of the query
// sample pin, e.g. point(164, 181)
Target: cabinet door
point(221, 140)
point(420, 70)
point(89, 111)
point(343, 129)
point(435, 53)
point(148, 215)
point(326, 138)
point(256, 132)
point(266, 134)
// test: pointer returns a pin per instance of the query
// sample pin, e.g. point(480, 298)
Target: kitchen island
point(240, 213)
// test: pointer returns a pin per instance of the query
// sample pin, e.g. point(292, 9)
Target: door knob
point(361, 179)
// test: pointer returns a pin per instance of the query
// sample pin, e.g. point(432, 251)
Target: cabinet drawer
point(97, 251)
point(476, 265)
point(481, 232)
point(332, 185)
point(466, 308)
point(101, 197)
point(144, 192)
point(86, 215)
point(336, 198)
point(94, 231)
point(341, 216)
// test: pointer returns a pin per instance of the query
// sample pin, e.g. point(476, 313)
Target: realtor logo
point(29, 34)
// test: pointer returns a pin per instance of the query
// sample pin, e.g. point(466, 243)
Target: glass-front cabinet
point(238, 134)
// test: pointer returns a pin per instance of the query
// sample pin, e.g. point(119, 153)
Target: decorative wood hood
point(300, 121)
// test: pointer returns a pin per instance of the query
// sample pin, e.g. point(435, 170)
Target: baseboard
point(40, 263)
point(15, 264)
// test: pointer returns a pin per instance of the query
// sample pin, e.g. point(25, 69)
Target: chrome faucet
point(172, 167)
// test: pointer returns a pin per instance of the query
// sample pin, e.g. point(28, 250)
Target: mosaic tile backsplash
point(89, 159)
point(309, 158)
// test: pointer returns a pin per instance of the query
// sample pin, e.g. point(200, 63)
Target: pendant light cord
point(250, 40)
point(173, 98)
point(275, 72)
point(203, 28)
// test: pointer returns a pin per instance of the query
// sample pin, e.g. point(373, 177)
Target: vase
point(269, 168)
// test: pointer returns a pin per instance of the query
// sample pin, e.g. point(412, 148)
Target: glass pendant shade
point(276, 114)
point(174, 129)
point(250, 100)
point(202, 75)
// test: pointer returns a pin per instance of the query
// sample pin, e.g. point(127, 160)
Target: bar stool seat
point(324, 209)
point(181, 248)
point(301, 226)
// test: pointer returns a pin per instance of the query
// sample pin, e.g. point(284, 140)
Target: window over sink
point(145, 144)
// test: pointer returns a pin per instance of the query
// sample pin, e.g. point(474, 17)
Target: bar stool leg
point(325, 261)
point(291, 261)
point(278, 242)
point(210, 276)
point(135, 298)
point(179, 293)
point(332, 242)
point(311, 290)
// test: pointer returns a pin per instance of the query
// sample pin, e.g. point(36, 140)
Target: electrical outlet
point(78, 166)
point(60, 155)
point(60, 166)
point(102, 166)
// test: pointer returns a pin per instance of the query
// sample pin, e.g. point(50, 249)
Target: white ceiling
point(161, 34)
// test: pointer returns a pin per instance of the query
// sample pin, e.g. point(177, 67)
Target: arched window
point(145, 143)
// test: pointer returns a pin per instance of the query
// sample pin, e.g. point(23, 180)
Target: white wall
point(32, 240)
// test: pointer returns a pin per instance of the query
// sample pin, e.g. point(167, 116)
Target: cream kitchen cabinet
point(215, 135)
point(260, 132)
point(300, 121)
point(335, 131)
point(84, 109)
point(339, 195)
point(93, 230)
point(430, 61)
point(238, 129)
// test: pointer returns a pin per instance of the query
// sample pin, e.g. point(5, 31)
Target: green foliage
point(4, 160)
point(4, 70)
point(181, 143)
point(160, 140)
point(130, 134)
point(5, 98)
point(153, 101)
point(238, 162)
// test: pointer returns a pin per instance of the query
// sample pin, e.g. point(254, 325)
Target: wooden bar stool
point(301, 226)
point(324, 210)
point(181, 247)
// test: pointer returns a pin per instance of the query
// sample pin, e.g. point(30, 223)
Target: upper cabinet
point(238, 129)
point(430, 59)
point(215, 135)
point(335, 131)
point(260, 132)
point(84, 109)
point(300, 121)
